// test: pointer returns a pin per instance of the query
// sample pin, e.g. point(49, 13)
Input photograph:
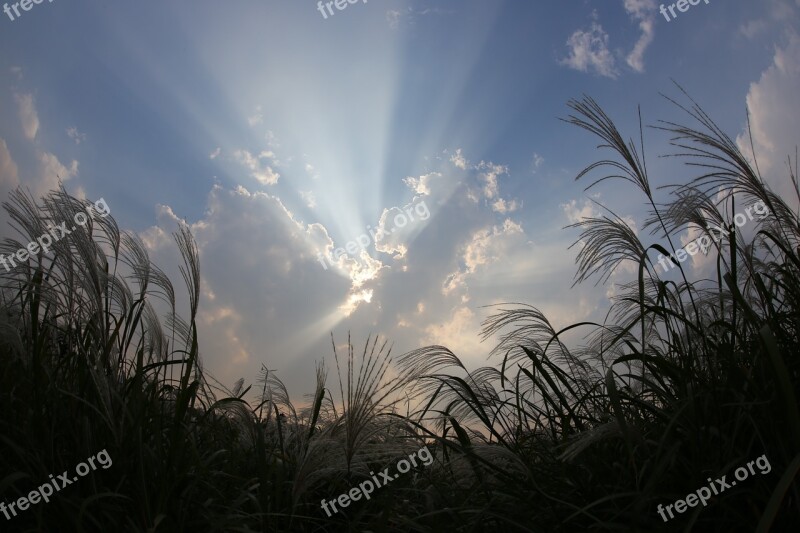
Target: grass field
point(686, 380)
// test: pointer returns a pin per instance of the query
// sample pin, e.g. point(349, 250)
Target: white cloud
point(256, 118)
point(421, 185)
point(266, 298)
point(309, 198)
point(458, 160)
point(485, 247)
point(642, 12)
point(215, 153)
point(27, 115)
point(501, 206)
point(390, 240)
point(43, 173)
point(536, 162)
point(576, 214)
point(457, 333)
point(775, 14)
point(640, 9)
point(76, 135)
point(51, 170)
point(227, 322)
point(354, 299)
point(261, 172)
point(775, 115)
point(261, 281)
point(491, 188)
point(588, 51)
point(9, 177)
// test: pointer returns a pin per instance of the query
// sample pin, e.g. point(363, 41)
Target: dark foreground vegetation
point(687, 380)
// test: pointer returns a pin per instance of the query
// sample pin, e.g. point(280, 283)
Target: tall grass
point(685, 380)
point(87, 365)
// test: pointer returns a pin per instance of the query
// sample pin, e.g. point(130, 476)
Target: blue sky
point(277, 135)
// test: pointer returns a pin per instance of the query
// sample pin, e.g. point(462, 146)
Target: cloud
point(256, 118)
point(589, 49)
point(262, 283)
point(75, 135)
point(576, 214)
point(457, 332)
point(261, 172)
point(458, 160)
point(501, 206)
point(51, 170)
point(389, 238)
point(227, 322)
point(775, 115)
point(753, 28)
point(215, 153)
point(309, 198)
point(491, 188)
point(536, 162)
point(44, 171)
point(393, 18)
point(9, 181)
point(267, 299)
point(421, 185)
point(9, 177)
point(27, 115)
point(775, 13)
point(641, 11)
point(589, 52)
point(354, 299)
point(485, 247)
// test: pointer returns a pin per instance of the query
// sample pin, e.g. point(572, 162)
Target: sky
point(281, 131)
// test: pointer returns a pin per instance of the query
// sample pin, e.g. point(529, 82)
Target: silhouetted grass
point(685, 380)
